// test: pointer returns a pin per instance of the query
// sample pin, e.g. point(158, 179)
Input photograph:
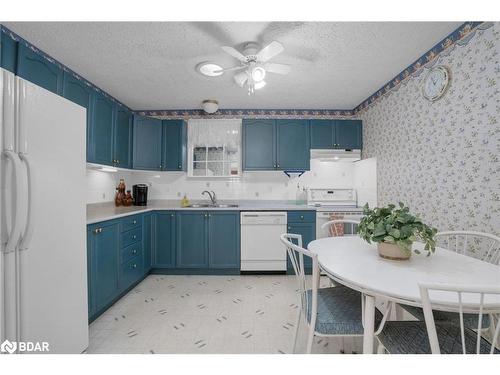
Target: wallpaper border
point(249, 113)
point(461, 36)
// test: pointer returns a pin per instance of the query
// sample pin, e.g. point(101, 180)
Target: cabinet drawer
point(131, 271)
point(301, 216)
point(132, 236)
point(131, 222)
point(130, 252)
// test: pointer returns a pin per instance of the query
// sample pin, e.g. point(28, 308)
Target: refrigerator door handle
point(16, 229)
point(28, 229)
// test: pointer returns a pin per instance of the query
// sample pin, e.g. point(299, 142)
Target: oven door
point(324, 216)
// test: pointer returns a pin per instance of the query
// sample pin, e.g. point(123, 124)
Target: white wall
point(252, 185)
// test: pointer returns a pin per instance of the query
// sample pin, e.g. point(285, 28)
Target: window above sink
point(214, 148)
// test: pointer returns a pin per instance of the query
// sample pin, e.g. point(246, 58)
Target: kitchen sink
point(207, 205)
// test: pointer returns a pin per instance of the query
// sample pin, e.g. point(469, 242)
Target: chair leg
point(297, 324)
point(380, 348)
point(310, 338)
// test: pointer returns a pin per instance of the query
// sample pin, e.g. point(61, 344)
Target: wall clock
point(436, 83)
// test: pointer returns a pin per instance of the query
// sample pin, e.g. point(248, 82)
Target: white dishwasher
point(261, 248)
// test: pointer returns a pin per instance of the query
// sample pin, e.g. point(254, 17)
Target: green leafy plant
point(396, 225)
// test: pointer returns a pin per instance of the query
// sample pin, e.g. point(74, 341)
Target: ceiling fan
point(255, 64)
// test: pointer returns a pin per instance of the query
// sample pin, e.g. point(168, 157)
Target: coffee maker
point(140, 192)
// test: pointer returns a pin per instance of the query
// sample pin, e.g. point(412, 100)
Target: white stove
point(338, 203)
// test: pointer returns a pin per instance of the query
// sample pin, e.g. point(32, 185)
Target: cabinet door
point(224, 240)
point(259, 145)
point(101, 131)
point(164, 240)
point(308, 233)
point(122, 138)
point(348, 134)
point(322, 134)
point(8, 54)
point(37, 69)
point(147, 143)
point(293, 150)
point(147, 241)
point(78, 92)
point(174, 145)
point(104, 264)
point(192, 244)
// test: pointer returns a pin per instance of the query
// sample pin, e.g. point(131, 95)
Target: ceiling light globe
point(258, 74)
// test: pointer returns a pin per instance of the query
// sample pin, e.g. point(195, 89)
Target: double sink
point(209, 205)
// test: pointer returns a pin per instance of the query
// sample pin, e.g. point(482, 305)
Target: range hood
point(336, 155)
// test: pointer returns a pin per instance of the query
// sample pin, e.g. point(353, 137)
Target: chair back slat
point(479, 245)
point(480, 308)
point(337, 227)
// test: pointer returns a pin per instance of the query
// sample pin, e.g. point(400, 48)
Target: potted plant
point(395, 230)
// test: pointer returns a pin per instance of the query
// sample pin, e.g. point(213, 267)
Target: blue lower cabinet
point(103, 243)
point(303, 223)
point(147, 241)
point(224, 240)
point(164, 236)
point(39, 70)
point(130, 272)
point(192, 244)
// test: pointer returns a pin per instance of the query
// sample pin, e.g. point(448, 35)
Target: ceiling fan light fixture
point(209, 69)
point(258, 74)
point(210, 106)
point(259, 85)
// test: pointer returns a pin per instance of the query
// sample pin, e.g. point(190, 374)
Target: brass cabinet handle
point(134, 252)
point(289, 228)
point(278, 165)
point(171, 215)
point(133, 266)
point(134, 236)
point(97, 230)
point(274, 165)
point(179, 166)
point(134, 222)
point(301, 217)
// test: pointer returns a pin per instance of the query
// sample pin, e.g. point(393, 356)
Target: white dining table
point(355, 263)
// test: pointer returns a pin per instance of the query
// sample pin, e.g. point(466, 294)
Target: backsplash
point(252, 185)
point(442, 158)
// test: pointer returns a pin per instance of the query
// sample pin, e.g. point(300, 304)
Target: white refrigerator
point(43, 262)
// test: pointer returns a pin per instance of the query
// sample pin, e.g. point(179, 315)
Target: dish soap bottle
point(184, 201)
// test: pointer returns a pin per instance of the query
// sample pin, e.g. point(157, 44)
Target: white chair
point(482, 246)
point(448, 337)
point(333, 311)
point(337, 227)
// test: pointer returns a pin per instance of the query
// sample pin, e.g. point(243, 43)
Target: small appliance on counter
point(140, 192)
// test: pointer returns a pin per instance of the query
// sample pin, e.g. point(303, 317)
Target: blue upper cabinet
point(293, 145)
point(101, 131)
point(192, 246)
point(322, 134)
point(259, 145)
point(8, 53)
point(80, 93)
point(336, 134)
point(122, 147)
point(147, 143)
point(164, 239)
point(224, 239)
point(174, 145)
point(348, 134)
point(37, 69)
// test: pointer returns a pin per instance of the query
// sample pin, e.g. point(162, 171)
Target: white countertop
point(98, 212)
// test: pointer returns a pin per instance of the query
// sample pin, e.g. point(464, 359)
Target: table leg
point(369, 324)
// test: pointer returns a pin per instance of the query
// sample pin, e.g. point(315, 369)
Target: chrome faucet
point(212, 196)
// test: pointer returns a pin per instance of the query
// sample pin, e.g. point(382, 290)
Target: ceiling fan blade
point(268, 52)
point(241, 78)
point(277, 68)
point(236, 54)
point(230, 69)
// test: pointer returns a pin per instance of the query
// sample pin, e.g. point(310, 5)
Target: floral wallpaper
point(443, 158)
